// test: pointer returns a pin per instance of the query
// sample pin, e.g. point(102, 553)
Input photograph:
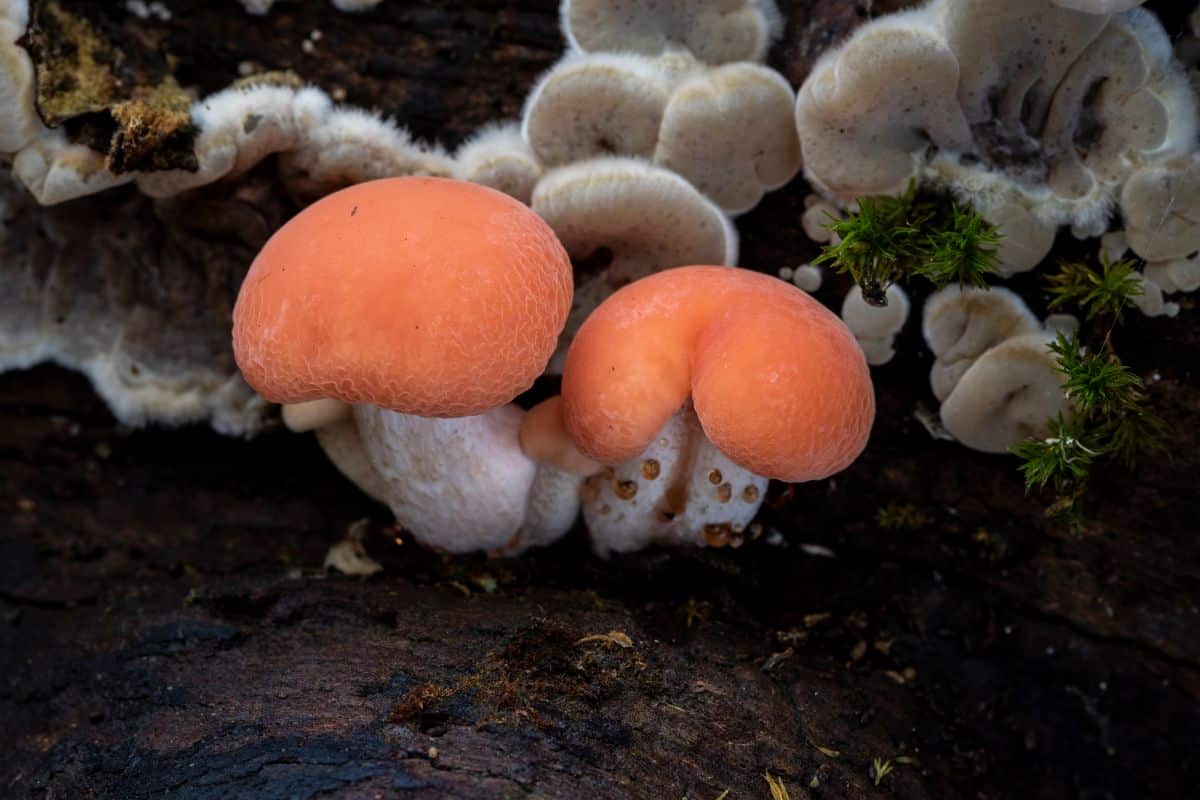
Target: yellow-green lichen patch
point(126, 106)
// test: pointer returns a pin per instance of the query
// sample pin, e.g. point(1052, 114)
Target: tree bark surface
point(166, 629)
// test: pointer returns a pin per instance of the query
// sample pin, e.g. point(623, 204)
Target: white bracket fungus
point(1033, 113)
point(499, 157)
point(683, 116)
point(19, 122)
point(1008, 395)
point(79, 293)
point(715, 31)
point(962, 323)
point(994, 374)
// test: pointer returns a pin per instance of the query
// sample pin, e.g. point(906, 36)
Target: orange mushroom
point(777, 380)
point(412, 298)
point(423, 295)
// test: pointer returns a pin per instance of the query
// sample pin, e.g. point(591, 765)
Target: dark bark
point(165, 629)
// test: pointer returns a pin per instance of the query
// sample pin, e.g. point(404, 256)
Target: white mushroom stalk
point(681, 491)
point(457, 485)
point(1036, 114)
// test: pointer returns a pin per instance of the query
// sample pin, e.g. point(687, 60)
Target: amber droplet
point(724, 492)
point(604, 509)
point(717, 534)
point(626, 490)
point(651, 469)
point(609, 473)
point(715, 477)
point(750, 493)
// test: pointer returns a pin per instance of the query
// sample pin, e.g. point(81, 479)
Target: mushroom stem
point(544, 438)
point(314, 414)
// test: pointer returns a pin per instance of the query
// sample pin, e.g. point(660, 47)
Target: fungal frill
point(672, 110)
point(1035, 113)
point(413, 361)
point(678, 384)
point(994, 373)
point(715, 32)
point(499, 157)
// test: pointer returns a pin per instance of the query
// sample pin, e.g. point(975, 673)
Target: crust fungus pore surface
point(669, 109)
point(1036, 114)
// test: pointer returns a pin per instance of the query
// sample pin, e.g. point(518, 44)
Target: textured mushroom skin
point(778, 382)
point(421, 295)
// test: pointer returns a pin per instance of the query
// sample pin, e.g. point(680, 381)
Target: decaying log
point(166, 629)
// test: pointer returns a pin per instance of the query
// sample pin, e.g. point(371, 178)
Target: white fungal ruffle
point(1038, 114)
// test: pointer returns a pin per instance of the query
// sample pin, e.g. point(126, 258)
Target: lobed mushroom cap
point(426, 296)
point(778, 381)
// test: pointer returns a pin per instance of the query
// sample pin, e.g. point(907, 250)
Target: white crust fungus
point(681, 491)
point(876, 327)
point(640, 218)
point(715, 31)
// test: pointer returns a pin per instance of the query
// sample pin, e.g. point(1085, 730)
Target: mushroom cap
point(1008, 395)
point(426, 296)
point(638, 217)
point(777, 380)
